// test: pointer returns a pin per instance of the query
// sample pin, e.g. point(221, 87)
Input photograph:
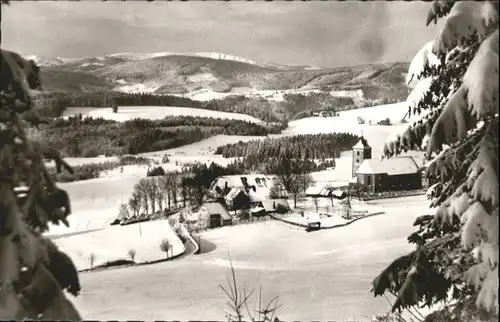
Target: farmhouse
point(213, 214)
point(256, 186)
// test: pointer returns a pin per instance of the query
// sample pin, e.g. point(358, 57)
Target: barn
point(214, 214)
point(399, 173)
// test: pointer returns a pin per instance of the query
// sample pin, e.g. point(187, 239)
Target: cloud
point(315, 33)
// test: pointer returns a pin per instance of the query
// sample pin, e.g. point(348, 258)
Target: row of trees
point(88, 137)
point(153, 194)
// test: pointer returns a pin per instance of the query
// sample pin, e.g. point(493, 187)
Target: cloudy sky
point(326, 34)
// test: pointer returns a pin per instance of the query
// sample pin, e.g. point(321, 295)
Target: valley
point(245, 161)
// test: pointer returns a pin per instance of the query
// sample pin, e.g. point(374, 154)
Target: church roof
point(391, 166)
point(362, 144)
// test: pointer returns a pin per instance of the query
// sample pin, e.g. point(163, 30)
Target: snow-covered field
point(114, 242)
point(126, 113)
point(324, 275)
point(347, 121)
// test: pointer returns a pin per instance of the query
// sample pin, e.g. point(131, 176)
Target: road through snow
point(325, 275)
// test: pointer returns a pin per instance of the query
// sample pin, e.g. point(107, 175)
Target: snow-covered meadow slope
point(114, 243)
point(348, 122)
point(333, 267)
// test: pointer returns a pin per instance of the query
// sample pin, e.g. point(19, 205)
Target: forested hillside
point(293, 106)
point(92, 137)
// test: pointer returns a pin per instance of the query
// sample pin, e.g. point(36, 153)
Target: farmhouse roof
point(362, 144)
point(233, 193)
point(261, 182)
point(217, 208)
point(314, 190)
point(391, 166)
point(270, 205)
point(257, 210)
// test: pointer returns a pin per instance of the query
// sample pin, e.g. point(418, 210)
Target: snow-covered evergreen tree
point(33, 272)
point(455, 119)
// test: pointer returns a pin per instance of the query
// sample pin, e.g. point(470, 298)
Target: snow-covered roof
point(261, 182)
point(192, 216)
point(216, 208)
point(233, 193)
point(391, 166)
point(270, 205)
point(337, 193)
point(362, 144)
point(257, 210)
point(313, 190)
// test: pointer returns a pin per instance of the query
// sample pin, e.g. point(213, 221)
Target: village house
point(256, 186)
point(213, 214)
point(392, 174)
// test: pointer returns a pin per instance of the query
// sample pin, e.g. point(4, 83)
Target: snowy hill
point(210, 75)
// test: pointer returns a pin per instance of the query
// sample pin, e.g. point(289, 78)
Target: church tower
point(360, 152)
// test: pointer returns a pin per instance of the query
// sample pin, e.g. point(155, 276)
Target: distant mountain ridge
point(183, 73)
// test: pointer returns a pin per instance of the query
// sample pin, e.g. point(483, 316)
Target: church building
point(393, 174)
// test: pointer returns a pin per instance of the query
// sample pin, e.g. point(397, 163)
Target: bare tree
point(135, 202)
point(142, 189)
point(239, 301)
point(123, 213)
point(299, 185)
point(160, 192)
point(165, 246)
point(152, 192)
point(316, 203)
point(290, 174)
point(174, 188)
point(92, 259)
point(131, 254)
point(164, 187)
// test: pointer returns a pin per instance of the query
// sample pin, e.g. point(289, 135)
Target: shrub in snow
point(386, 121)
point(92, 258)
point(131, 254)
point(280, 209)
point(156, 171)
point(457, 246)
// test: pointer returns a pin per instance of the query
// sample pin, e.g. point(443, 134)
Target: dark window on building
point(357, 153)
point(368, 180)
point(357, 160)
